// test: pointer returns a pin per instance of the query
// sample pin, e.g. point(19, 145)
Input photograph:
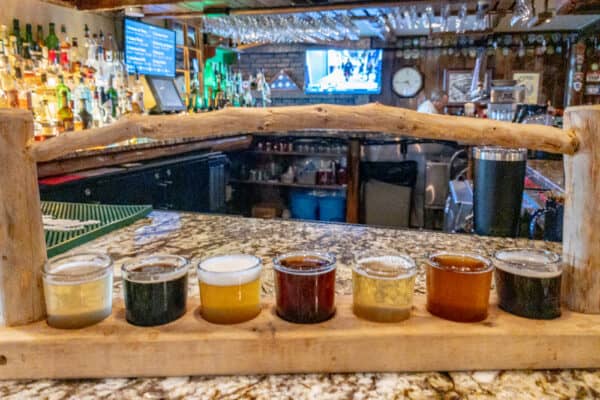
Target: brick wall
point(290, 58)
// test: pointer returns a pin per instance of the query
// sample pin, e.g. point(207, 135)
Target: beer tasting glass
point(458, 286)
point(305, 286)
point(229, 288)
point(78, 289)
point(382, 287)
point(528, 282)
point(155, 289)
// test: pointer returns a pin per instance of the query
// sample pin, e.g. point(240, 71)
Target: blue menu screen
point(149, 50)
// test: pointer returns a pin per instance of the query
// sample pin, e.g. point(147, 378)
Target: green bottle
point(62, 92)
point(113, 96)
point(17, 33)
point(28, 44)
point(53, 45)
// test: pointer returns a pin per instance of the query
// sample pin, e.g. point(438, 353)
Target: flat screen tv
point(149, 50)
point(338, 71)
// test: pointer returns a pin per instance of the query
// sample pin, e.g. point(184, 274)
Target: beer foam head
point(531, 263)
point(387, 267)
point(229, 270)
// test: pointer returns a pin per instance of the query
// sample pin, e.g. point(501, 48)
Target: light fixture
point(134, 12)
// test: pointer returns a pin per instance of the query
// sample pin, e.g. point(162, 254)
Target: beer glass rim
point(328, 257)
point(103, 262)
point(553, 259)
point(411, 268)
point(181, 268)
point(489, 266)
point(257, 264)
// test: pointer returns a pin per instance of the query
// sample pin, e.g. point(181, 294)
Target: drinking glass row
point(78, 288)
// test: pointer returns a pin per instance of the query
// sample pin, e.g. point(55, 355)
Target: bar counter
point(197, 236)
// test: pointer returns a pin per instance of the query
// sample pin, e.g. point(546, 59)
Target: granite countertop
point(197, 236)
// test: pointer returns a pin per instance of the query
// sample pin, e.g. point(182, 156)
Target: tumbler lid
point(496, 153)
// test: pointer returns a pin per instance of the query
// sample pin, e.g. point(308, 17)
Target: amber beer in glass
point(305, 286)
point(458, 286)
point(229, 288)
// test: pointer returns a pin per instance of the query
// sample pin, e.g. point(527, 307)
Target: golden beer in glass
point(229, 288)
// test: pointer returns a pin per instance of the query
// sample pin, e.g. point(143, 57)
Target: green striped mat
point(111, 217)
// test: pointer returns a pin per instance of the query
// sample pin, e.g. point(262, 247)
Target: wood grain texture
point(581, 236)
point(371, 117)
point(22, 244)
point(267, 344)
point(102, 159)
point(353, 173)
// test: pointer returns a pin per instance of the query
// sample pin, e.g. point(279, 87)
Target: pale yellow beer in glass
point(383, 287)
point(229, 288)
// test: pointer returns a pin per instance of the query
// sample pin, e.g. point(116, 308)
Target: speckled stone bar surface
point(197, 236)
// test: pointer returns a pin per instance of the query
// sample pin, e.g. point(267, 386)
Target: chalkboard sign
point(149, 50)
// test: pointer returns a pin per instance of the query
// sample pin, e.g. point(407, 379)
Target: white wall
point(37, 12)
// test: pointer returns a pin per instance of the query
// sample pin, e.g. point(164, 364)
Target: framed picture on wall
point(457, 83)
point(532, 82)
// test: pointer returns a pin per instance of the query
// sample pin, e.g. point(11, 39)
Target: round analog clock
point(407, 82)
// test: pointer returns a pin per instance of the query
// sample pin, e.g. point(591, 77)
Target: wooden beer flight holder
point(30, 349)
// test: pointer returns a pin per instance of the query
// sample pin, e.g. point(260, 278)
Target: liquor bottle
point(83, 119)
point(110, 48)
point(5, 82)
point(62, 91)
point(28, 48)
point(17, 34)
point(97, 114)
point(45, 125)
point(82, 92)
point(74, 54)
point(65, 49)
point(64, 115)
point(138, 95)
point(42, 47)
point(3, 40)
point(100, 48)
point(53, 45)
point(195, 104)
point(113, 97)
point(24, 93)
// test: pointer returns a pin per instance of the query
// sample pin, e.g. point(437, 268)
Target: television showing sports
point(338, 71)
point(149, 50)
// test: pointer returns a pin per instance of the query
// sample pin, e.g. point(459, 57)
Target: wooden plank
point(233, 121)
point(577, 7)
point(267, 344)
point(353, 192)
point(105, 159)
point(22, 245)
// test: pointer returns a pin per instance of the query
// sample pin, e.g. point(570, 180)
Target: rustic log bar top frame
point(23, 253)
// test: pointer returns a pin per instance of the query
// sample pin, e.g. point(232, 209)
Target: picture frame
point(457, 83)
point(532, 82)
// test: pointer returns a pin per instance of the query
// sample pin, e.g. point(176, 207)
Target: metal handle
point(534, 218)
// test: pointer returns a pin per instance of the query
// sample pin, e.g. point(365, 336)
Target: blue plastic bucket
point(332, 208)
point(303, 205)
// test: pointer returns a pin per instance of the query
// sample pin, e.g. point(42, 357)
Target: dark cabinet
point(193, 183)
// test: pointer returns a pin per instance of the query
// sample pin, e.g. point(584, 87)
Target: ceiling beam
point(108, 5)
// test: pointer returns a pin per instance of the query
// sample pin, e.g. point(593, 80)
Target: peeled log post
point(22, 243)
point(374, 118)
point(581, 235)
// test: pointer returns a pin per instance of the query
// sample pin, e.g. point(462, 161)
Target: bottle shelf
point(292, 185)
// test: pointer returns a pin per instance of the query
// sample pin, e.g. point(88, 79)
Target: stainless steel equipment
point(505, 96)
point(458, 213)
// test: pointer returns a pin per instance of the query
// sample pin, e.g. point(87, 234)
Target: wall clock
point(407, 82)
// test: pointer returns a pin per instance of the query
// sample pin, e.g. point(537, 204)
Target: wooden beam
point(581, 236)
point(107, 5)
point(374, 117)
point(353, 192)
point(101, 158)
point(270, 345)
point(22, 243)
